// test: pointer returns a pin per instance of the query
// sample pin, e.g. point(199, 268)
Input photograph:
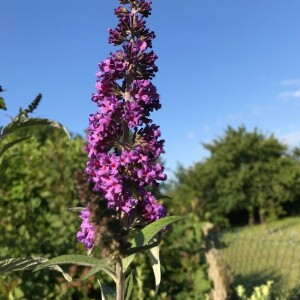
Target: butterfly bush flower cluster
point(123, 142)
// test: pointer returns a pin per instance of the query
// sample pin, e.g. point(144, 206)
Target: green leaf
point(155, 263)
point(76, 209)
point(146, 234)
point(158, 197)
point(16, 293)
point(107, 292)
point(59, 269)
point(2, 104)
point(27, 263)
point(89, 252)
point(80, 260)
point(3, 165)
point(128, 286)
point(20, 264)
point(12, 143)
point(17, 124)
point(153, 243)
point(102, 265)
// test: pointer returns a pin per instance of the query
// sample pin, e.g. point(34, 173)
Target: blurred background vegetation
point(249, 178)
point(249, 183)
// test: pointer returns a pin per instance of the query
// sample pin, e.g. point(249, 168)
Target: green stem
point(120, 289)
point(129, 79)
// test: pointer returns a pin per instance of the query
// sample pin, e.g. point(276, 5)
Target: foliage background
point(248, 178)
point(36, 188)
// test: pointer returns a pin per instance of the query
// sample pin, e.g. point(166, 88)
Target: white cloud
point(288, 95)
point(290, 82)
point(291, 138)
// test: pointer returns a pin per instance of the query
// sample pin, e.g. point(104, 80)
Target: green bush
point(248, 177)
point(36, 188)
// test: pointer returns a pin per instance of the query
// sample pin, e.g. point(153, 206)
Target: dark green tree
point(247, 172)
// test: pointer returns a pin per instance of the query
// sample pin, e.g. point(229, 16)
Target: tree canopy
point(248, 175)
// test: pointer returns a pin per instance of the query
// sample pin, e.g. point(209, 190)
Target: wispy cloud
point(290, 82)
point(289, 95)
point(291, 138)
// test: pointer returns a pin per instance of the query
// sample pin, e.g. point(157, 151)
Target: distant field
point(264, 252)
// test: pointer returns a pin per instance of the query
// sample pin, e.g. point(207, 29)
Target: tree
point(246, 172)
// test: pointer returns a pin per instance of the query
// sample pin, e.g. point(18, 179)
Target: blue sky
point(221, 63)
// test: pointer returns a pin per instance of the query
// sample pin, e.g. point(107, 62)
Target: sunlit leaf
point(76, 209)
point(59, 269)
point(102, 265)
point(128, 286)
point(12, 143)
point(80, 260)
point(155, 263)
point(20, 264)
point(107, 293)
point(28, 263)
point(17, 124)
point(2, 104)
point(144, 236)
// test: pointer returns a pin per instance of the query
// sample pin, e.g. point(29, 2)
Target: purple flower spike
point(123, 143)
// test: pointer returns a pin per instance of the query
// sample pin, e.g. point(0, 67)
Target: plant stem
point(120, 292)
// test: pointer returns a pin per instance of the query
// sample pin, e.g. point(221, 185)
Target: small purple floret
point(86, 234)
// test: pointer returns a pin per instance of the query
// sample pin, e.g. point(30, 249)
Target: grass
point(260, 253)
